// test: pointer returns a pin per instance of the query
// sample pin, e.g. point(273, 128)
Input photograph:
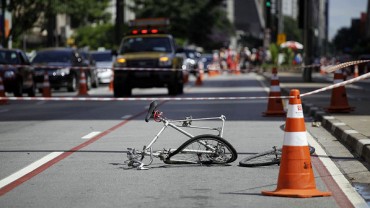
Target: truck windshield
point(147, 44)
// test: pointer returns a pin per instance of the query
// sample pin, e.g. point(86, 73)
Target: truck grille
point(143, 63)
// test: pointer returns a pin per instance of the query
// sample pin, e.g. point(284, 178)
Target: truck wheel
point(121, 90)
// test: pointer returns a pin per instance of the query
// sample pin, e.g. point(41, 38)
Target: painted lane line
point(343, 192)
point(28, 169)
point(126, 116)
point(91, 135)
point(4, 110)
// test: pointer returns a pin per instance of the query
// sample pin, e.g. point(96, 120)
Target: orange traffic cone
point(339, 102)
point(322, 70)
point(2, 92)
point(296, 178)
point(111, 85)
point(46, 91)
point(275, 105)
point(185, 77)
point(355, 74)
point(200, 77)
point(82, 91)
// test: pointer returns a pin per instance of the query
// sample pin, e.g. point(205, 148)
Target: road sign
point(281, 38)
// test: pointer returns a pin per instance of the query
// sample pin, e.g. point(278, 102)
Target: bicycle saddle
point(152, 107)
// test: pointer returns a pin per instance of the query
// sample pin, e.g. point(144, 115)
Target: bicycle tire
point(190, 151)
point(262, 159)
point(266, 158)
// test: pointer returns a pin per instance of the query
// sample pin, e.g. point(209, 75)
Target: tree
point(194, 21)
point(27, 14)
point(291, 29)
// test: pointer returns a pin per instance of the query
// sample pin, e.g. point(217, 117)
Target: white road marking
point(126, 116)
point(4, 110)
point(91, 135)
point(338, 176)
point(28, 169)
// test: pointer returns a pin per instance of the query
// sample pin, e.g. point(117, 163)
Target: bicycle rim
point(203, 149)
point(270, 157)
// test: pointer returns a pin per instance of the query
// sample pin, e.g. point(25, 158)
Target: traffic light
point(268, 3)
point(268, 13)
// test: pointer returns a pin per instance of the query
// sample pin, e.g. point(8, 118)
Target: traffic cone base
point(297, 193)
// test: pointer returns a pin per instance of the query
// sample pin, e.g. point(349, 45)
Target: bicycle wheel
point(270, 157)
point(203, 149)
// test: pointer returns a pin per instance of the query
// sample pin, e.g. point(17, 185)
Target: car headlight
point(120, 61)
point(165, 61)
point(9, 74)
point(62, 71)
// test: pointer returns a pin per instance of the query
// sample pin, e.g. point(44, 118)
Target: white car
point(104, 62)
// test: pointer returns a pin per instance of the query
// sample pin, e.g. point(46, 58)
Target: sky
point(341, 12)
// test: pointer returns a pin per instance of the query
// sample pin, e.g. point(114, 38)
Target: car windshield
point(8, 57)
point(100, 57)
point(147, 44)
point(52, 57)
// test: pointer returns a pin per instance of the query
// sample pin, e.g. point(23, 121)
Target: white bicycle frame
point(186, 123)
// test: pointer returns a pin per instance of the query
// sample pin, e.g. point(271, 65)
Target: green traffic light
point(268, 3)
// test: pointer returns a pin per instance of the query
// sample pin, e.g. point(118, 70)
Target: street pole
point(119, 20)
point(308, 44)
point(3, 38)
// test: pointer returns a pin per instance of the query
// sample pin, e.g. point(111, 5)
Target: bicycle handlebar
point(152, 107)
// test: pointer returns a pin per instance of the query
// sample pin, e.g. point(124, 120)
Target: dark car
point(63, 66)
point(17, 72)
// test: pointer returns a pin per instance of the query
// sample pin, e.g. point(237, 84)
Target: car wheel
point(32, 90)
point(72, 85)
point(95, 84)
point(18, 90)
point(121, 90)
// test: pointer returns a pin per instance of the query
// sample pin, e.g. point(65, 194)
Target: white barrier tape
point(138, 98)
point(85, 67)
point(364, 76)
point(343, 65)
point(350, 81)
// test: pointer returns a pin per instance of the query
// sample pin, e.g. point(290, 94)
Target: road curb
point(354, 140)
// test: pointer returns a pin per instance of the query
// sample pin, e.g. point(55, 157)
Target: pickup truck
point(147, 61)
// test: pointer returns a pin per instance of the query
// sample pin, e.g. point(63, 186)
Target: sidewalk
point(352, 129)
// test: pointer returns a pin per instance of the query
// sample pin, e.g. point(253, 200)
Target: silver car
point(104, 62)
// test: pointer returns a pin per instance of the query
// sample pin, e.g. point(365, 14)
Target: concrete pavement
point(352, 129)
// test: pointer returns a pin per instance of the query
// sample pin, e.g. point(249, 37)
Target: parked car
point(63, 66)
point(104, 63)
point(17, 73)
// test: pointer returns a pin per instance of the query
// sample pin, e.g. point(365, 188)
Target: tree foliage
point(27, 14)
point(194, 21)
point(291, 29)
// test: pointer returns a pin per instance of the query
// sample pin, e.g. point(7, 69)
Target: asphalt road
point(72, 153)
